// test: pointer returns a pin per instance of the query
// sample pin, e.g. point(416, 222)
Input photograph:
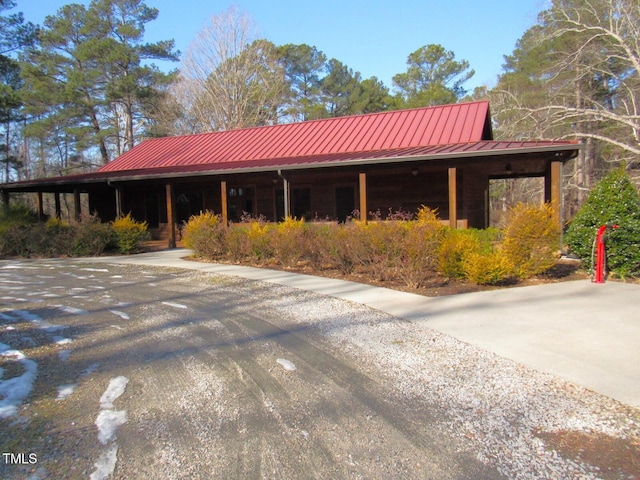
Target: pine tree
point(86, 82)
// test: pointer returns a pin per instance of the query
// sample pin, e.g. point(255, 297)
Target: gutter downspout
point(287, 195)
point(118, 192)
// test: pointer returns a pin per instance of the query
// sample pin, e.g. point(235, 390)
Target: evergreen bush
point(91, 237)
point(613, 200)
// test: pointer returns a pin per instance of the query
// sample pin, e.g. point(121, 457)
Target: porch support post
point(453, 197)
point(58, 208)
point(5, 201)
point(363, 197)
point(77, 207)
point(223, 202)
point(553, 193)
point(40, 205)
point(171, 224)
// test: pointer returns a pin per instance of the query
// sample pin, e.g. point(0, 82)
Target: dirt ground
point(157, 373)
point(437, 285)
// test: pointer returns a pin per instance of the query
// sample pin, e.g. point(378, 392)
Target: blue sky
point(373, 37)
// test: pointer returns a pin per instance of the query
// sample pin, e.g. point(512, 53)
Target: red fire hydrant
point(601, 254)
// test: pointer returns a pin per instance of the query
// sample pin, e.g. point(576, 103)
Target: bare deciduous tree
point(576, 75)
point(229, 78)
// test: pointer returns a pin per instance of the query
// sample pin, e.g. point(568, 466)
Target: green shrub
point(51, 239)
point(91, 237)
point(205, 234)
point(129, 233)
point(21, 235)
point(60, 238)
point(613, 200)
point(14, 241)
point(531, 239)
point(16, 215)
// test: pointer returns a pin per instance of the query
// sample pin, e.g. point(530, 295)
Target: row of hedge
point(22, 235)
point(410, 251)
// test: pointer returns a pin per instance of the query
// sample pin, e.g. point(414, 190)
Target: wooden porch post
point(171, 216)
point(555, 191)
point(56, 199)
point(223, 202)
point(76, 204)
point(453, 197)
point(363, 197)
point(40, 205)
point(5, 201)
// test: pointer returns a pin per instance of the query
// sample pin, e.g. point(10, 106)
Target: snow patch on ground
point(122, 315)
point(71, 310)
point(106, 464)
point(65, 390)
point(175, 305)
point(108, 422)
point(14, 390)
point(114, 390)
point(286, 364)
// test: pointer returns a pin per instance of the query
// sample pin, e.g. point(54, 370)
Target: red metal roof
point(354, 136)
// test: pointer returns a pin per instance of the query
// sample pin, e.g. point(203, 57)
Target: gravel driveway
point(120, 371)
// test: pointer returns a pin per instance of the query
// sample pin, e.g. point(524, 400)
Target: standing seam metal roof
point(401, 129)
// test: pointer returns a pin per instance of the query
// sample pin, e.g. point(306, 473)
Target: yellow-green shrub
point(485, 268)
point(259, 236)
point(288, 241)
point(455, 247)
point(531, 239)
point(205, 234)
point(418, 259)
point(129, 233)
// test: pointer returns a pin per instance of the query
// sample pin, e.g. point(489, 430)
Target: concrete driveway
point(586, 333)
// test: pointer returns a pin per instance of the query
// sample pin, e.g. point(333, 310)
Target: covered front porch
point(458, 188)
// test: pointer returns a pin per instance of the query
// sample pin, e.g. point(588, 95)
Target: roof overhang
point(451, 154)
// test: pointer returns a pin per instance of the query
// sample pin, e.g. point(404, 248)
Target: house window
point(301, 203)
point(240, 202)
